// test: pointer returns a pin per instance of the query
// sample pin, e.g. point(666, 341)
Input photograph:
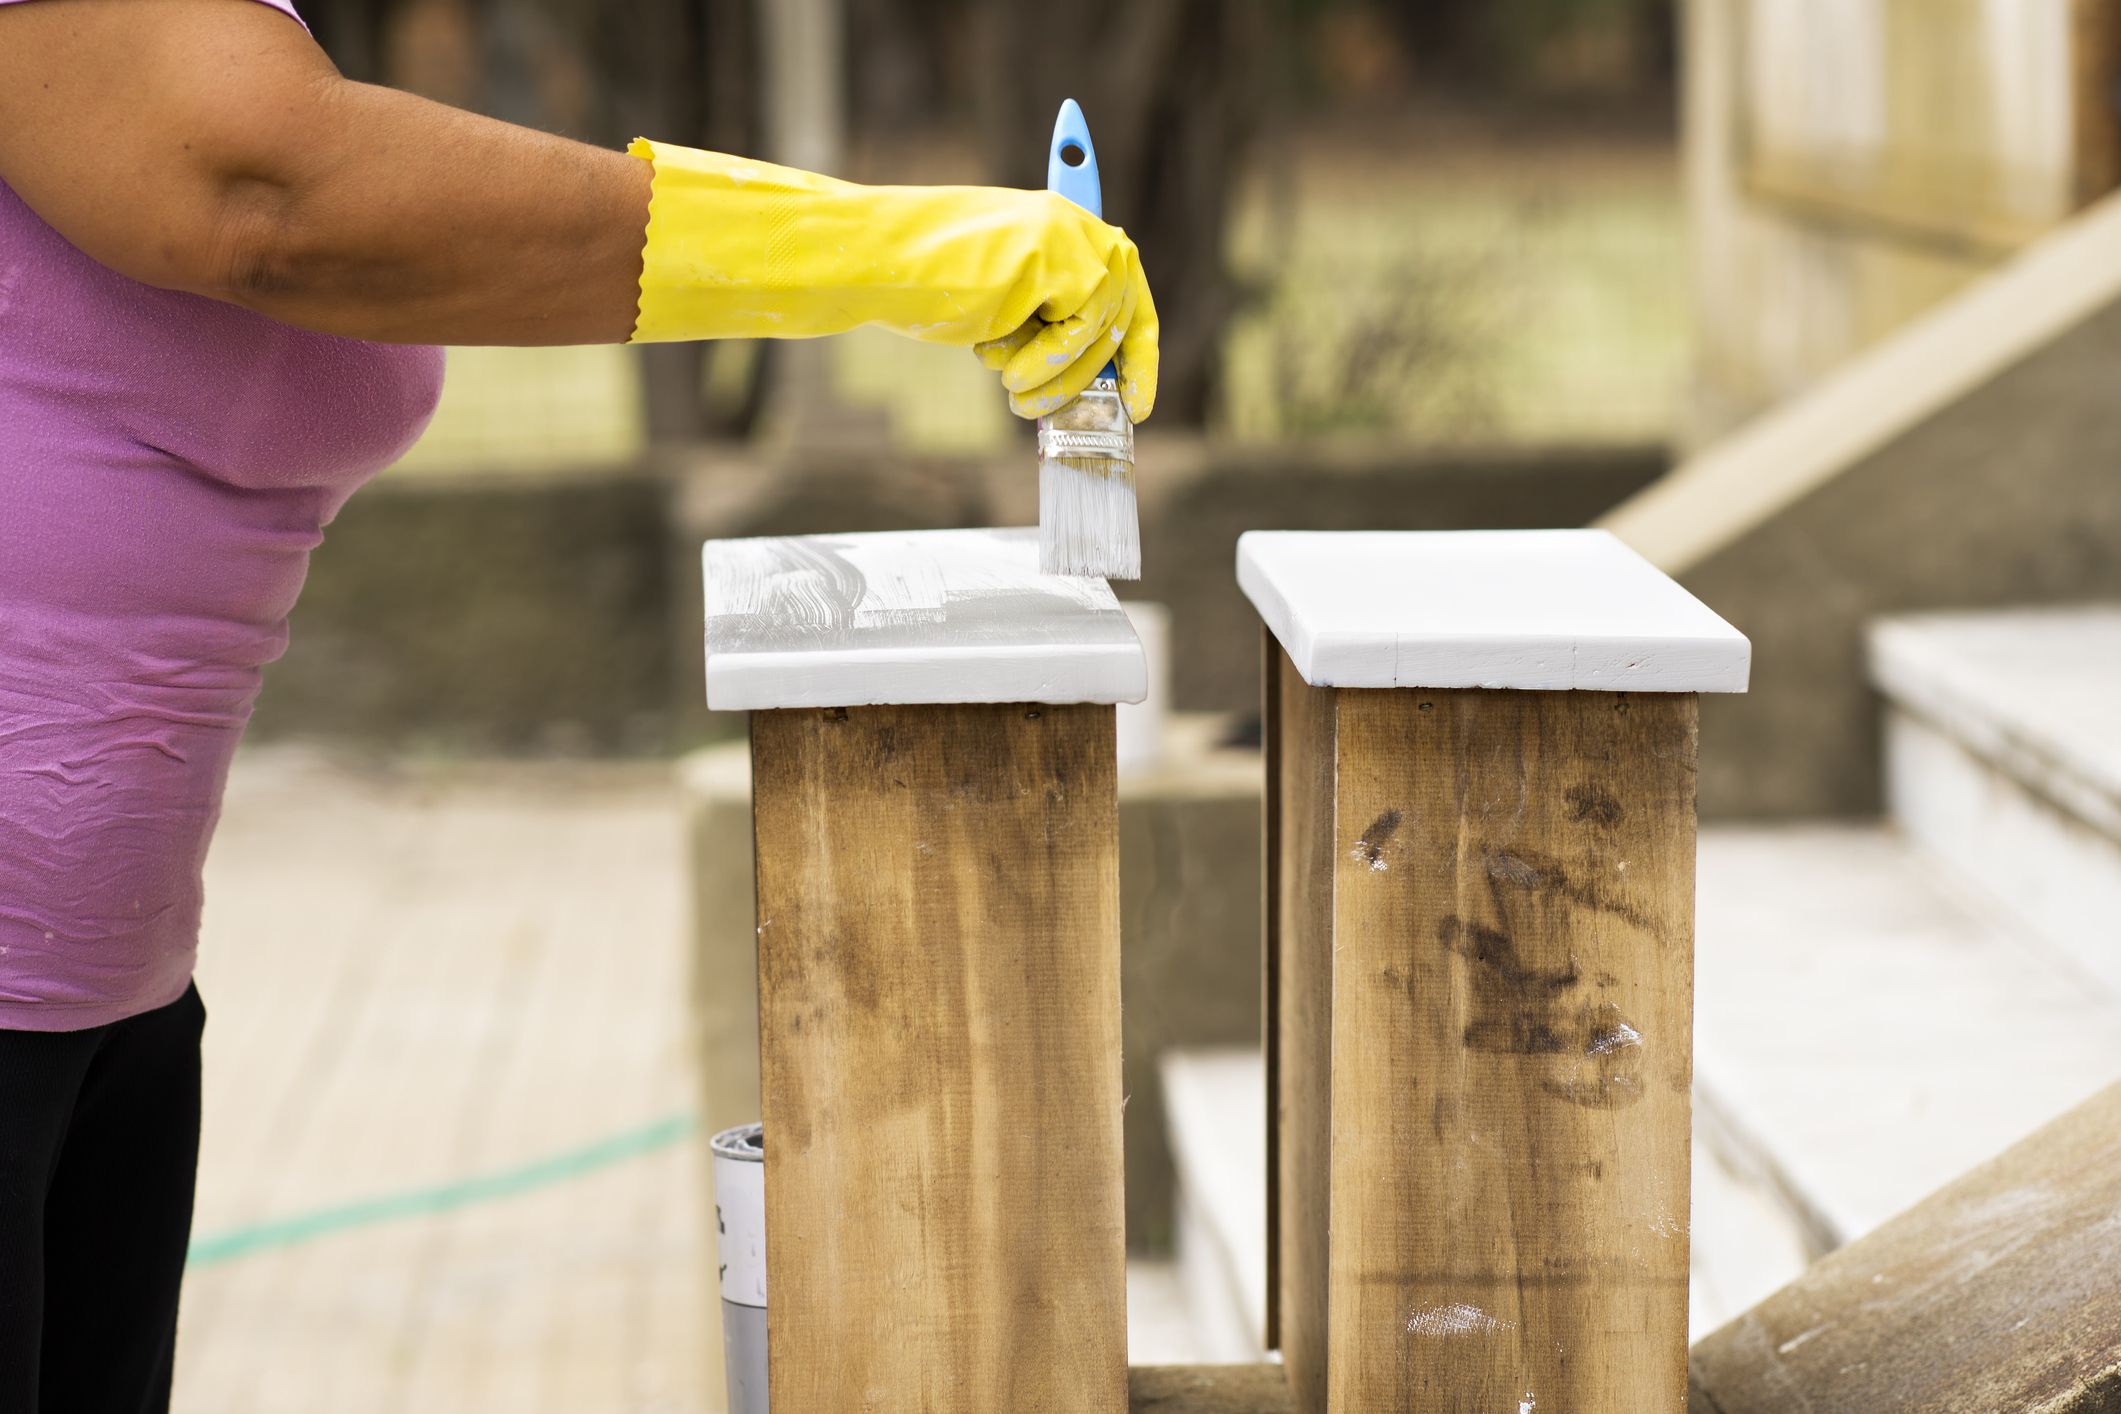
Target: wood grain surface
point(1484, 966)
point(1995, 1293)
point(1209, 1389)
point(939, 994)
point(1303, 792)
point(1513, 989)
point(1272, 808)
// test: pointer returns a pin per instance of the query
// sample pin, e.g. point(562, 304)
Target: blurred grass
point(1400, 292)
point(940, 400)
point(1518, 299)
point(517, 410)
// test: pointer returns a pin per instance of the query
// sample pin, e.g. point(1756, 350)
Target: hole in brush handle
point(1072, 153)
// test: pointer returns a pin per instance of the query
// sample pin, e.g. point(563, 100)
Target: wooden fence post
point(1480, 814)
point(938, 914)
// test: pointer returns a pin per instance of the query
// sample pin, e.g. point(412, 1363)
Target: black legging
point(99, 1146)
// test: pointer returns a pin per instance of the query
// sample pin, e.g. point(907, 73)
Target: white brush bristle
point(1087, 521)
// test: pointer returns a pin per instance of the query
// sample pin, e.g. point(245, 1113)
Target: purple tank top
point(167, 462)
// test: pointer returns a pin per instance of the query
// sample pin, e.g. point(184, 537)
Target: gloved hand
point(1047, 292)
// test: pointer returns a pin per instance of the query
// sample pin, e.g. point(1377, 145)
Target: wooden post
point(938, 913)
point(1481, 812)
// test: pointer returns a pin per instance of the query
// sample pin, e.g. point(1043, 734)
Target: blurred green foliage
point(1517, 301)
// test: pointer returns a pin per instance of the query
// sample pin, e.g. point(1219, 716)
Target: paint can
point(740, 1224)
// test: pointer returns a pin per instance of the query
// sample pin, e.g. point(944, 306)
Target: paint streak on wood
point(1531, 610)
point(1996, 1292)
point(912, 616)
point(779, 593)
point(1486, 982)
point(939, 992)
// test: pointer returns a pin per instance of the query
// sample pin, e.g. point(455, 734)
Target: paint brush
point(1087, 520)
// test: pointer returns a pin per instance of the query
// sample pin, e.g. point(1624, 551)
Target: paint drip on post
point(740, 1224)
point(1088, 523)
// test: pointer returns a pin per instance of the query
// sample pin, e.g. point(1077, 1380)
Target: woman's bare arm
point(210, 146)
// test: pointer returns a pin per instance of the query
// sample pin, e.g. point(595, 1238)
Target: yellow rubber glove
point(747, 250)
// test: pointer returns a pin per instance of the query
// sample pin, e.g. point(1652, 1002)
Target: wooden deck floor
point(447, 1082)
point(444, 990)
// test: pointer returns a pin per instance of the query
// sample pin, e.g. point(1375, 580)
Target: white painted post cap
point(1534, 610)
point(909, 617)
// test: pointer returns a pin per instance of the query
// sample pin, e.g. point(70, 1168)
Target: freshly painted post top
point(1535, 610)
point(907, 617)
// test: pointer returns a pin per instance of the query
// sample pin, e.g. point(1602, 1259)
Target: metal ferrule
point(1095, 427)
point(1104, 446)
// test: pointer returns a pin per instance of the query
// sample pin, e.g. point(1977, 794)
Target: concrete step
point(2003, 760)
point(1160, 1329)
point(1216, 1113)
point(1862, 1036)
point(1863, 1033)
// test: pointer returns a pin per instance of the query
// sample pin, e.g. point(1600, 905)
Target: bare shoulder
point(113, 113)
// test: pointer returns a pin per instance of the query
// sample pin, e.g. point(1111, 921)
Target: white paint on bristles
point(909, 617)
point(1533, 610)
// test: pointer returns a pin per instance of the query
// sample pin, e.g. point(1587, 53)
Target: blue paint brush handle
point(1071, 170)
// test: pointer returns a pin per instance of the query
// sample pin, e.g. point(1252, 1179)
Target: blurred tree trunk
point(1174, 90)
point(803, 51)
point(679, 71)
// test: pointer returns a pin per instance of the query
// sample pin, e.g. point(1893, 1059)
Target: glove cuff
point(717, 231)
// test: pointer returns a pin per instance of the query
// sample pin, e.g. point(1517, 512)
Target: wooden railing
point(1480, 792)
